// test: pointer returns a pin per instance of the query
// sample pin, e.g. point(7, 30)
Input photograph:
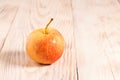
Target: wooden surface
point(91, 29)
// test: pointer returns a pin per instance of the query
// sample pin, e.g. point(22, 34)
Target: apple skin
point(45, 48)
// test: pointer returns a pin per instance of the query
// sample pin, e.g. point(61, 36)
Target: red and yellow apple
point(45, 45)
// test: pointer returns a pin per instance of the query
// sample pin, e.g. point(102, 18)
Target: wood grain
point(7, 15)
point(30, 15)
point(97, 38)
point(91, 32)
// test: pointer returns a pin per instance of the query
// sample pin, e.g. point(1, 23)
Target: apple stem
point(48, 25)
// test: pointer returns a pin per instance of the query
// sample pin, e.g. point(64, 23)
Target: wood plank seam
point(77, 72)
point(8, 30)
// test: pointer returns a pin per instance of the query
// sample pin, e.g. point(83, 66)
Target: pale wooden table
point(91, 29)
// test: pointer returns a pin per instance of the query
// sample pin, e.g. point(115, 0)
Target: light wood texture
point(91, 32)
point(97, 26)
point(16, 26)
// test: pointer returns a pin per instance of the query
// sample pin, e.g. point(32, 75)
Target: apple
point(45, 45)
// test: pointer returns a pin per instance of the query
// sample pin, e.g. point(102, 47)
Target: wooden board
point(91, 32)
point(33, 14)
point(97, 26)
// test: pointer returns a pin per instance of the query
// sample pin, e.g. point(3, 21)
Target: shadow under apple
point(17, 58)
